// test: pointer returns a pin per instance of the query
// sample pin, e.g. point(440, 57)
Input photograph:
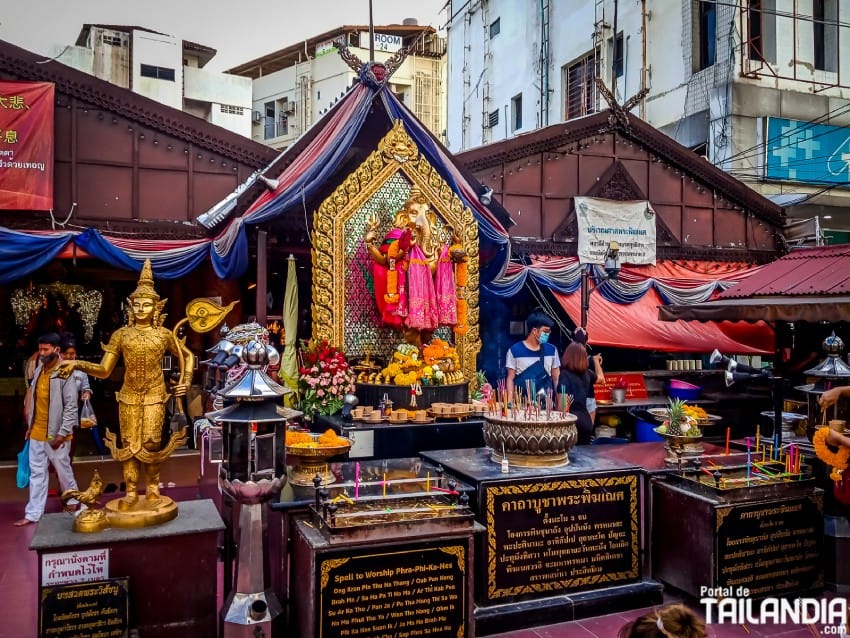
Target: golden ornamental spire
point(145, 287)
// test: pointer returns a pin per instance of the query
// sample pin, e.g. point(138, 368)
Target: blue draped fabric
point(22, 253)
point(234, 262)
point(169, 263)
point(95, 245)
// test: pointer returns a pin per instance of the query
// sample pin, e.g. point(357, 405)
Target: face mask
point(544, 337)
point(47, 358)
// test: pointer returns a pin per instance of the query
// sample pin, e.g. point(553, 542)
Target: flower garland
point(837, 460)
point(461, 280)
point(393, 252)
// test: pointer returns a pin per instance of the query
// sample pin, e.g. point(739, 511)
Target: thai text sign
point(406, 592)
point(555, 537)
point(77, 566)
point(26, 145)
point(92, 609)
point(772, 548)
point(630, 224)
point(634, 383)
point(805, 152)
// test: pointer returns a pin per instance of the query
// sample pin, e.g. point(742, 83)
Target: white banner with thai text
point(630, 224)
point(79, 566)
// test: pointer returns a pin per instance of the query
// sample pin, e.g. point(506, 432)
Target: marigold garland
point(461, 276)
point(462, 327)
point(391, 295)
point(837, 460)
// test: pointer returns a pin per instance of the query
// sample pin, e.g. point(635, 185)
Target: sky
point(240, 31)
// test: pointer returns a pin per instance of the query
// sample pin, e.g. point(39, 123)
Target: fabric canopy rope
point(24, 253)
point(671, 280)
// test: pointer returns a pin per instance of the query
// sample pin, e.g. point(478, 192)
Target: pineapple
point(676, 418)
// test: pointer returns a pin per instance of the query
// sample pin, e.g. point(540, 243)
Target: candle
point(356, 481)
point(749, 466)
point(758, 437)
point(428, 482)
point(385, 485)
point(728, 436)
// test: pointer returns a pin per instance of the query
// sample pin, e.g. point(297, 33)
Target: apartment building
point(759, 87)
point(163, 68)
point(294, 86)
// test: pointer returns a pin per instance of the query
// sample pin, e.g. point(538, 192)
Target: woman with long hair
point(575, 379)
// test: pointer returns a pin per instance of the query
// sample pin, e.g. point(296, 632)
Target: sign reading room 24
point(26, 145)
point(807, 153)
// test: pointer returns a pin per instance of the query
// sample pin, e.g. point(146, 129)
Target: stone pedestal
point(561, 543)
point(171, 569)
point(771, 546)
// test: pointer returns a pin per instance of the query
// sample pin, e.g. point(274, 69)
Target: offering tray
point(386, 503)
point(681, 448)
point(729, 484)
point(313, 461)
point(542, 439)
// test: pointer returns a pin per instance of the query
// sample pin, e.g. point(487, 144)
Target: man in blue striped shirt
point(534, 358)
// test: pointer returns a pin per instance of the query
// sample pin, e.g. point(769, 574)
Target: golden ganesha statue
point(416, 275)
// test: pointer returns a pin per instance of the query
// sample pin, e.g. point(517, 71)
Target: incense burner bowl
point(534, 441)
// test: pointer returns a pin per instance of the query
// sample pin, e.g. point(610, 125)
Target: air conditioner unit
point(257, 116)
point(288, 107)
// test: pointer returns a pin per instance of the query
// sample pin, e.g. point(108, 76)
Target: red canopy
point(636, 325)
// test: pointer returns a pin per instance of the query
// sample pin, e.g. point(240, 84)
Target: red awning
point(636, 325)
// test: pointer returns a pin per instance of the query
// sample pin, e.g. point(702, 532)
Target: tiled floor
point(19, 584)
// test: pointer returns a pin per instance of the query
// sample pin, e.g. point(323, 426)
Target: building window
point(706, 34)
point(269, 125)
point(493, 119)
point(516, 112)
point(495, 27)
point(617, 55)
point(229, 109)
point(761, 30)
point(157, 72)
point(111, 40)
point(825, 23)
point(579, 87)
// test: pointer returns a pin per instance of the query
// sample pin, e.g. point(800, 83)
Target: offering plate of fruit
point(678, 427)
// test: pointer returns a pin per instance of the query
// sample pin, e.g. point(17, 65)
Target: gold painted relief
point(344, 311)
point(328, 566)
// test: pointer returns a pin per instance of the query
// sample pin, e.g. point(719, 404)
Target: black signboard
point(400, 592)
point(561, 535)
point(771, 548)
point(99, 608)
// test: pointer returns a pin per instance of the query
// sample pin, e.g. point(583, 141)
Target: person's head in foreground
point(672, 621)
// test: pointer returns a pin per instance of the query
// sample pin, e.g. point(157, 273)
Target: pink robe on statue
point(421, 296)
point(445, 288)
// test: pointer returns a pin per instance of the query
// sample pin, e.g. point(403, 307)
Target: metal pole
point(262, 281)
point(585, 296)
point(371, 35)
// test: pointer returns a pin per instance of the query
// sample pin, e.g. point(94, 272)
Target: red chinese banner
point(26, 145)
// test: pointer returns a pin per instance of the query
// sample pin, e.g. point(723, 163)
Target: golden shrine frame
point(396, 153)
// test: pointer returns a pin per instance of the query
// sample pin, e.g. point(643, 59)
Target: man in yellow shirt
point(52, 415)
